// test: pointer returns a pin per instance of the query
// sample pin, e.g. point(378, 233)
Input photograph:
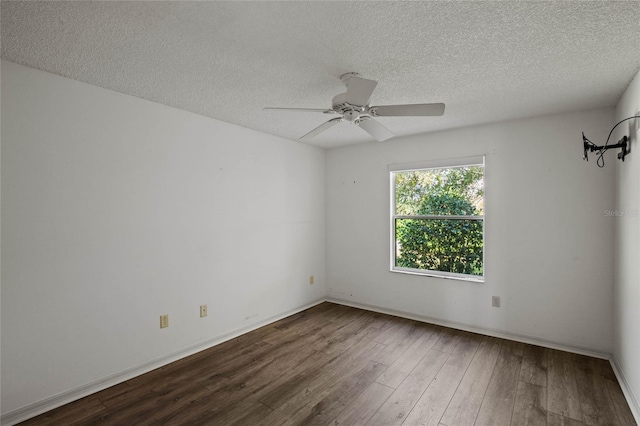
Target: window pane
point(448, 245)
point(450, 191)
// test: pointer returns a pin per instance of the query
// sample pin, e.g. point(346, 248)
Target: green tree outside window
point(439, 219)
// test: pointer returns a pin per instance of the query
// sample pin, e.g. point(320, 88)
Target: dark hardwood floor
point(336, 365)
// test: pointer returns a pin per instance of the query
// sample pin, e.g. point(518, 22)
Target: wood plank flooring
point(336, 365)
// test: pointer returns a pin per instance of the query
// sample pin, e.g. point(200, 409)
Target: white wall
point(548, 244)
point(116, 210)
point(626, 350)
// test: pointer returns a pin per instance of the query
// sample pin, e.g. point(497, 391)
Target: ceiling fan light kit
point(353, 106)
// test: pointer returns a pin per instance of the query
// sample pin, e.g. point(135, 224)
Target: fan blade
point(321, 128)
point(326, 111)
point(413, 110)
point(359, 91)
point(375, 129)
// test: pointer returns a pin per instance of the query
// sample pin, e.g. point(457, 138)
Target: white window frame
point(423, 165)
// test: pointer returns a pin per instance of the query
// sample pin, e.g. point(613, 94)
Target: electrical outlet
point(203, 311)
point(164, 321)
point(310, 279)
point(495, 301)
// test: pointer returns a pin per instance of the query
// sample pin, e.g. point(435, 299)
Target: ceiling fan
point(354, 106)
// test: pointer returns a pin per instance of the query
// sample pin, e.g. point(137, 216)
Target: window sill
point(436, 274)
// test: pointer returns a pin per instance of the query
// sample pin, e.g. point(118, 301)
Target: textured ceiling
point(487, 61)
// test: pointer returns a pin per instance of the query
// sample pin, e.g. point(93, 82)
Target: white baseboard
point(475, 329)
point(55, 401)
point(626, 389)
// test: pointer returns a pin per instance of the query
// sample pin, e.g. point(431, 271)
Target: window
point(437, 218)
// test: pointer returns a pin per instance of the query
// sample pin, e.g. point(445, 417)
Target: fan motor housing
point(351, 115)
point(350, 112)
